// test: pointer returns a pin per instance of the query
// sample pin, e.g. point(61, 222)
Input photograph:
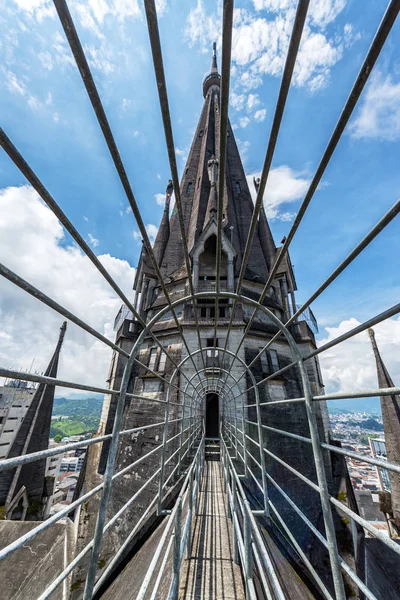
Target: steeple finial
point(214, 68)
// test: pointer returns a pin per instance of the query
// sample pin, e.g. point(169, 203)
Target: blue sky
point(45, 111)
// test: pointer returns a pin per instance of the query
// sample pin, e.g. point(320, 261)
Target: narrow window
point(212, 312)
point(221, 312)
point(203, 312)
point(153, 358)
point(189, 188)
point(238, 188)
point(264, 363)
point(274, 360)
point(198, 183)
point(201, 133)
point(163, 360)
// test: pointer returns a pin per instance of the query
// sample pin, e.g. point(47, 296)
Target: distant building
point(15, 400)
point(26, 490)
point(378, 450)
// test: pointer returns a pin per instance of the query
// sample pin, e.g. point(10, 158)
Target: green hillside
point(75, 416)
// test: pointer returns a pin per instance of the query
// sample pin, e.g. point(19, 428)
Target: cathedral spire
point(163, 231)
point(25, 490)
point(390, 406)
point(214, 67)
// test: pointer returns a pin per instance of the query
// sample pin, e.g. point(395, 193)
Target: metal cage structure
point(243, 447)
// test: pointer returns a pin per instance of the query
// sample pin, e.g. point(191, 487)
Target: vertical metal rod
point(163, 451)
point(248, 551)
point(234, 517)
point(190, 517)
point(323, 486)
point(101, 516)
point(177, 551)
point(262, 455)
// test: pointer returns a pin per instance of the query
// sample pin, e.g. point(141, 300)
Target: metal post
point(177, 551)
point(323, 486)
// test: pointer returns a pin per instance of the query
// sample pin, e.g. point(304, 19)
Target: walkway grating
point(210, 572)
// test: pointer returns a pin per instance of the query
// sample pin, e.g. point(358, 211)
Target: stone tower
point(25, 491)
point(198, 190)
point(390, 406)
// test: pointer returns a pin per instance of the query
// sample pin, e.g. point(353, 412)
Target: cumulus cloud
point(160, 199)
point(33, 244)
point(260, 40)
point(244, 121)
point(151, 232)
point(284, 186)
point(350, 366)
point(260, 115)
point(93, 241)
point(379, 114)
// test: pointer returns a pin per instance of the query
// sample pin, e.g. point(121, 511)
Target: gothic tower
point(198, 190)
point(25, 491)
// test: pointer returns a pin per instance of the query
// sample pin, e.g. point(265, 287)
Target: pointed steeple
point(214, 77)
point(214, 68)
point(266, 239)
point(199, 196)
point(163, 231)
point(24, 490)
point(390, 406)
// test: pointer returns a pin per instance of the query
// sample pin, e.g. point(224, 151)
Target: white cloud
point(260, 40)
point(151, 232)
point(237, 101)
point(260, 115)
point(128, 210)
point(33, 244)
point(179, 152)
point(136, 133)
point(13, 84)
point(321, 12)
point(34, 103)
point(350, 366)
point(86, 219)
point(46, 60)
point(125, 104)
point(160, 199)
point(284, 186)
point(201, 28)
point(379, 114)
point(244, 121)
point(158, 176)
point(252, 102)
point(162, 7)
point(94, 241)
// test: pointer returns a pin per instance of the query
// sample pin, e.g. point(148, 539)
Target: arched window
point(238, 188)
point(201, 132)
point(189, 188)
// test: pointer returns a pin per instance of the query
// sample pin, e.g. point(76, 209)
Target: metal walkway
point(210, 572)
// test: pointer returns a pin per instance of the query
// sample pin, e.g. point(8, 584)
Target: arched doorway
point(212, 416)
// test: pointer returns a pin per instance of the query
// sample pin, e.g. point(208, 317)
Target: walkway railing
point(241, 436)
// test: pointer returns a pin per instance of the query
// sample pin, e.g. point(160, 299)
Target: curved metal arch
point(317, 451)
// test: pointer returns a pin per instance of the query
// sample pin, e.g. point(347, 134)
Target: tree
point(58, 437)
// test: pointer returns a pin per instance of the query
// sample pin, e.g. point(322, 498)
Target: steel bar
point(88, 81)
point(378, 228)
point(227, 21)
point(291, 56)
point(378, 42)
point(373, 461)
point(323, 540)
point(35, 182)
point(155, 44)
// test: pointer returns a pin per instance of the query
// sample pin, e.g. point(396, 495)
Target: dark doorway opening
point(212, 416)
